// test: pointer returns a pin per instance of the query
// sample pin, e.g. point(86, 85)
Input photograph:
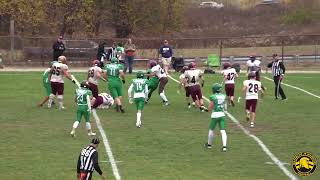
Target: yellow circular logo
point(304, 164)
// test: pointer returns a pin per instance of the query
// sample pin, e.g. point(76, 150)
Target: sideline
point(258, 141)
point(294, 87)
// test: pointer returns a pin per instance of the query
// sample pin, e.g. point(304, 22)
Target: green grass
point(35, 142)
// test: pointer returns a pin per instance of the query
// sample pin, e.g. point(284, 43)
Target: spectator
point(120, 52)
point(166, 54)
point(101, 55)
point(129, 49)
point(58, 48)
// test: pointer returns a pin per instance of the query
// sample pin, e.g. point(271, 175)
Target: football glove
point(130, 100)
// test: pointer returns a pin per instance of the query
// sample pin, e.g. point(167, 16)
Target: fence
point(37, 51)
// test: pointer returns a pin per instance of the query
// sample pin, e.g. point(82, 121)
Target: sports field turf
point(35, 142)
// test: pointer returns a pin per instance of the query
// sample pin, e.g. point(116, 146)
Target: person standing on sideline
point(129, 49)
point(166, 53)
point(58, 48)
point(101, 54)
point(112, 51)
point(278, 71)
point(88, 161)
point(217, 104)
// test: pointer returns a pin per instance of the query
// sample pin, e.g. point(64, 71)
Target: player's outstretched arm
point(211, 106)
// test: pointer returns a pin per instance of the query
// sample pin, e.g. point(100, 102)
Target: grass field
point(35, 142)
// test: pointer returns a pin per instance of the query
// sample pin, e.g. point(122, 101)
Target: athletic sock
point(75, 124)
point(163, 97)
point(88, 126)
point(139, 117)
point(210, 137)
point(60, 101)
point(51, 97)
point(224, 137)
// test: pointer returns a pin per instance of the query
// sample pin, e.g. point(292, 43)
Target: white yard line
point(258, 141)
point(107, 146)
point(295, 88)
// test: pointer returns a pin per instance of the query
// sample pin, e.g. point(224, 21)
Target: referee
point(278, 71)
point(88, 161)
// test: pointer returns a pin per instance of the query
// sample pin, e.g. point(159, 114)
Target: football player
point(83, 94)
point(137, 93)
point(46, 85)
point(104, 100)
point(153, 83)
point(94, 74)
point(229, 75)
point(217, 104)
point(156, 70)
point(193, 78)
point(251, 89)
point(254, 67)
point(57, 72)
point(183, 83)
point(115, 75)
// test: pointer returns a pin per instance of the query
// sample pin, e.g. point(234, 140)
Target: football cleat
point(122, 110)
point(203, 109)
point(208, 146)
point(91, 134)
point(232, 103)
point(252, 125)
point(166, 103)
point(73, 134)
point(62, 108)
point(224, 149)
point(138, 124)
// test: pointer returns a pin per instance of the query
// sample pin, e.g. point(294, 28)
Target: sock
point(138, 117)
point(51, 97)
point(88, 126)
point(163, 96)
point(210, 137)
point(224, 137)
point(75, 124)
point(60, 100)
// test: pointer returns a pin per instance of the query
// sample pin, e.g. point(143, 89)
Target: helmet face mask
point(192, 65)
point(95, 63)
point(252, 75)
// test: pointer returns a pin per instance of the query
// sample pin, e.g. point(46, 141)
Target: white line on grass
point(107, 146)
point(260, 143)
point(295, 88)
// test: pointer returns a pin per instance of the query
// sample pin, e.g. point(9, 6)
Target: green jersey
point(45, 76)
point(219, 103)
point(139, 88)
point(153, 81)
point(82, 94)
point(113, 71)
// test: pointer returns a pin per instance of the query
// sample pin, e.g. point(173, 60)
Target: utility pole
point(12, 57)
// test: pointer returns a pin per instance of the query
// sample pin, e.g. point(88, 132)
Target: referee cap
point(95, 140)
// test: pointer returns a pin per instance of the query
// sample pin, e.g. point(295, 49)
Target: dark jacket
point(58, 49)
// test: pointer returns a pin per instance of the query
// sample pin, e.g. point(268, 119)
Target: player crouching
point(139, 91)
point(217, 104)
point(251, 89)
point(83, 98)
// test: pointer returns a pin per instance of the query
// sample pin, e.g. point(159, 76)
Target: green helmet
point(216, 88)
point(140, 74)
point(114, 60)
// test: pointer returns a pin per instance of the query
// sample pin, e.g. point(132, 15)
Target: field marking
point(300, 89)
point(260, 143)
point(107, 146)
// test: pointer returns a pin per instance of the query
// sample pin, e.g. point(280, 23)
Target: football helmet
point(114, 60)
point(252, 75)
point(184, 69)
point(96, 63)
point(152, 63)
point(226, 65)
point(84, 84)
point(140, 74)
point(192, 65)
point(216, 88)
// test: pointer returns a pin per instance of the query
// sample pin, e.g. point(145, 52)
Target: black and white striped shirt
point(88, 160)
point(277, 68)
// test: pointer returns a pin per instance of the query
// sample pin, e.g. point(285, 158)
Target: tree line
point(89, 18)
